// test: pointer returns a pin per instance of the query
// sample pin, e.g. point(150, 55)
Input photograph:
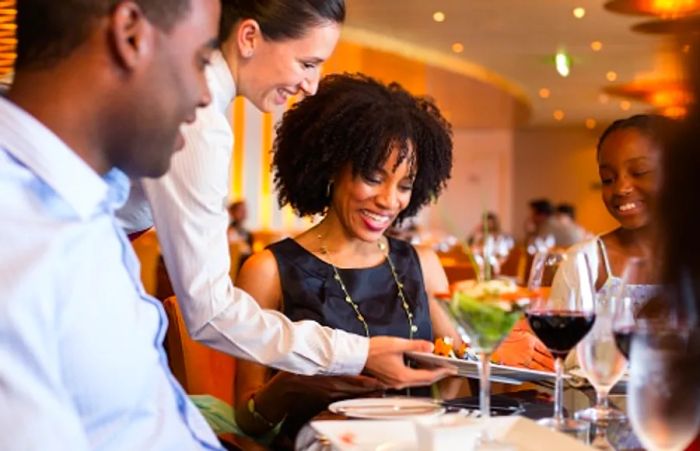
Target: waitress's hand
point(523, 349)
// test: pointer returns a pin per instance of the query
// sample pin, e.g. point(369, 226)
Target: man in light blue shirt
point(99, 90)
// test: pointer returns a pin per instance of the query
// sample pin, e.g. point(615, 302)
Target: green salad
point(487, 319)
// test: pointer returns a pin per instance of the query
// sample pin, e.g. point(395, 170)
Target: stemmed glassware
point(561, 313)
point(623, 324)
point(490, 252)
point(663, 391)
point(601, 360)
point(486, 320)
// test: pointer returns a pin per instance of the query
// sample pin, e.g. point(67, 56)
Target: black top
point(309, 291)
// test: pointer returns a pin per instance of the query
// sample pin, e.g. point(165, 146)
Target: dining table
point(530, 400)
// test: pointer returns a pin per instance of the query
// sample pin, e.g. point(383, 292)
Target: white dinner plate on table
point(387, 408)
point(368, 435)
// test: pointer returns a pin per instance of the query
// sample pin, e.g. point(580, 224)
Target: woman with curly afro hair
point(364, 155)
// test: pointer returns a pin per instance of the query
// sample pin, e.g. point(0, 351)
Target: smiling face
point(367, 205)
point(628, 164)
point(170, 88)
point(277, 70)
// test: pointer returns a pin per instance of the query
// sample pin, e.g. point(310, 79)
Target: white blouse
point(188, 208)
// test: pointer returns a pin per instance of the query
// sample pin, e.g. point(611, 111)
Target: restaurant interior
point(528, 87)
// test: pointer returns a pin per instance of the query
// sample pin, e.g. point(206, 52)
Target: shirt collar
point(39, 149)
point(220, 81)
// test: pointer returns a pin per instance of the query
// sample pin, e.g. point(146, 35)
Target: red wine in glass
point(560, 330)
point(623, 338)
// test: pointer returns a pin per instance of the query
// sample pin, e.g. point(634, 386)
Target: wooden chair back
point(199, 368)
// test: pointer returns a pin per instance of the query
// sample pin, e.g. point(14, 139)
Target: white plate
point(395, 408)
point(499, 373)
point(361, 435)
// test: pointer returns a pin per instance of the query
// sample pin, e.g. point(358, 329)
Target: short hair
point(542, 206)
point(356, 120)
point(658, 128)
point(280, 19)
point(567, 209)
point(49, 30)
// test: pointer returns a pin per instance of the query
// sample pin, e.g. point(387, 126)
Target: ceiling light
point(439, 16)
point(562, 62)
point(590, 123)
point(611, 76)
point(579, 12)
point(457, 47)
point(625, 105)
point(603, 98)
point(544, 93)
point(662, 8)
point(675, 111)
point(558, 115)
point(596, 46)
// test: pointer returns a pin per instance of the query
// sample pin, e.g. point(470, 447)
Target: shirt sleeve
point(188, 206)
point(36, 410)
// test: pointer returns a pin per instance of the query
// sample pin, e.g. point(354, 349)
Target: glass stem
point(559, 390)
point(485, 384)
point(601, 399)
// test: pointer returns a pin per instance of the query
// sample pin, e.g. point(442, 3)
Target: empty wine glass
point(664, 393)
point(601, 361)
point(561, 313)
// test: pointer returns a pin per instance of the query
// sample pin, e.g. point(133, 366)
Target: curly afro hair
point(354, 119)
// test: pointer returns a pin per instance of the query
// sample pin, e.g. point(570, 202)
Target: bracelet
point(256, 414)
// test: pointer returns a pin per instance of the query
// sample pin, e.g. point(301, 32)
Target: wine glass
point(486, 319)
point(601, 361)
point(636, 287)
point(561, 313)
point(663, 391)
point(623, 324)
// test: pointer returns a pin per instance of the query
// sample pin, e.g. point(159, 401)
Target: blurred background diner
point(540, 116)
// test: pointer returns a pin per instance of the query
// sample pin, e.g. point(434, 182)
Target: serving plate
point(470, 368)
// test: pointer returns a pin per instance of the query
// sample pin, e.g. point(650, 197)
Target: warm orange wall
point(559, 163)
point(349, 57)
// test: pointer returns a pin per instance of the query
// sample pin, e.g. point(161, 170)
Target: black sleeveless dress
point(310, 291)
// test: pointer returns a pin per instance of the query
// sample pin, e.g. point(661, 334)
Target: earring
point(328, 188)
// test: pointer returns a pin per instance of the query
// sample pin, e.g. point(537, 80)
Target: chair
point(199, 368)
point(512, 264)
point(456, 264)
point(146, 249)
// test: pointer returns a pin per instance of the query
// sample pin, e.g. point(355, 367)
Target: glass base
point(597, 414)
point(577, 429)
point(493, 445)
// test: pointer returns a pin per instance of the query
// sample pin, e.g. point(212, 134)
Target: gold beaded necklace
point(412, 328)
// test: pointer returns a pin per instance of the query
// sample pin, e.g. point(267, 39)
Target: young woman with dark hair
point(372, 155)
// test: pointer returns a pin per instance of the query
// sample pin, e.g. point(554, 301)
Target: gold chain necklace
point(412, 328)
